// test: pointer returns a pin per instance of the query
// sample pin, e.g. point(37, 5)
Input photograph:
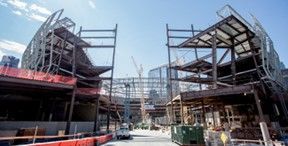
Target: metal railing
point(35, 75)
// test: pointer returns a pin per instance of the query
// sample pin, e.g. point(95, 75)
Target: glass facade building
point(162, 74)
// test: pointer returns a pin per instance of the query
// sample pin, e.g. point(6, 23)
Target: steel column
point(111, 81)
point(213, 116)
point(65, 111)
point(203, 113)
point(197, 58)
point(258, 104)
point(233, 66)
point(96, 118)
point(169, 75)
point(214, 60)
point(181, 110)
point(67, 130)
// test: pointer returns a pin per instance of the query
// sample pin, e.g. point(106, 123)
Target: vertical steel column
point(67, 130)
point(169, 75)
point(96, 118)
point(38, 117)
point(111, 81)
point(181, 105)
point(258, 104)
point(213, 116)
point(203, 113)
point(233, 66)
point(200, 85)
point(127, 104)
point(214, 60)
point(65, 111)
point(196, 56)
point(51, 110)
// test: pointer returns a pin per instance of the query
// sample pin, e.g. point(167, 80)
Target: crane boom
point(139, 70)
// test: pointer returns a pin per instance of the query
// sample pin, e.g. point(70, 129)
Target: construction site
point(221, 85)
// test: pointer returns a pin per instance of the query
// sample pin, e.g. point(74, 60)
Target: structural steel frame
point(233, 36)
point(55, 49)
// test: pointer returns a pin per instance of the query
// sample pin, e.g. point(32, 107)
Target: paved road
point(144, 138)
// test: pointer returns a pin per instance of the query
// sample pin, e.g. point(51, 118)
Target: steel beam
point(216, 92)
point(223, 57)
point(224, 21)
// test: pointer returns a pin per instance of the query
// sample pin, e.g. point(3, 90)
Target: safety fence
point(89, 141)
point(72, 140)
point(35, 75)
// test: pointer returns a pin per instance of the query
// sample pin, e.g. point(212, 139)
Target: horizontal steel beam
point(99, 37)
point(97, 30)
point(186, 96)
point(179, 37)
point(98, 46)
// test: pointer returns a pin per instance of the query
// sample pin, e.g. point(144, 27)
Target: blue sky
point(142, 31)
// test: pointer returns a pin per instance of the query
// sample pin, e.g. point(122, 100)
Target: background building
point(9, 61)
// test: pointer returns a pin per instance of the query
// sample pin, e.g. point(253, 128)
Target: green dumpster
point(187, 135)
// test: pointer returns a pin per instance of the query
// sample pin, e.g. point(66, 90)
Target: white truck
point(123, 132)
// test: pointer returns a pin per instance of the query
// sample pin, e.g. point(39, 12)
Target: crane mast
point(141, 87)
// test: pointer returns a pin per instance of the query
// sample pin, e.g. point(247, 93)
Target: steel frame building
point(239, 59)
point(56, 50)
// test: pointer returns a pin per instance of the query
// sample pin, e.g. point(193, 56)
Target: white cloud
point(92, 4)
point(29, 11)
point(40, 9)
point(3, 4)
point(17, 13)
point(11, 46)
point(37, 17)
point(18, 4)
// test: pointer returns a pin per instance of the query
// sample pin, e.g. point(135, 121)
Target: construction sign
point(224, 138)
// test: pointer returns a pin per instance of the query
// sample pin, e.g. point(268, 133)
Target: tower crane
point(139, 70)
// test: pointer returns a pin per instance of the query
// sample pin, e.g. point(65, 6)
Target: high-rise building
point(282, 65)
point(285, 76)
point(9, 61)
point(162, 73)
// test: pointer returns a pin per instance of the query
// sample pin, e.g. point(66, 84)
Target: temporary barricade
point(89, 141)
